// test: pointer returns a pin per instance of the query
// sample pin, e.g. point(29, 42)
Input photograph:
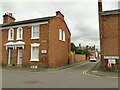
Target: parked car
point(93, 59)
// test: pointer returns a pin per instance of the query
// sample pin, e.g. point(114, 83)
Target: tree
point(87, 52)
point(73, 47)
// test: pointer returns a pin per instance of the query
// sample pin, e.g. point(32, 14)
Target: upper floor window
point(63, 35)
point(19, 33)
point(11, 34)
point(35, 32)
point(60, 34)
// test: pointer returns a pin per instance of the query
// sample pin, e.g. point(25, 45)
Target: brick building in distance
point(92, 49)
point(35, 42)
point(109, 36)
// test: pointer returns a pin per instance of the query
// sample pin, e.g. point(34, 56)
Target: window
point(19, 33)
point(60, 34)
point(35, 32)
point(63, 35)
point(11, 34)
point(34, 52)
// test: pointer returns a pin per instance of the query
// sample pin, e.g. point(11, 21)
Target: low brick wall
point(79, 58)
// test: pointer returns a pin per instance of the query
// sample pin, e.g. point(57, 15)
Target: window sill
point(34, 60)
point(10, 39)
point(61, 40)
point(19, 39)
point(35, 38)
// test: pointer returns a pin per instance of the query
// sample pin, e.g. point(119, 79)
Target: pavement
point(99, 71)
point(42, 69)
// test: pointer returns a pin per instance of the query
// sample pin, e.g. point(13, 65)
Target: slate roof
point(27, 21)
point(111, 12)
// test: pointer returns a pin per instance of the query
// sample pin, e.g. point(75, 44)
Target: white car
point(93, 59)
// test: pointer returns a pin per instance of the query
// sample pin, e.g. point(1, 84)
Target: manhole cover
point(31, 82)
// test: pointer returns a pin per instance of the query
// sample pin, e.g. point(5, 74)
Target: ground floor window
point(34, 52)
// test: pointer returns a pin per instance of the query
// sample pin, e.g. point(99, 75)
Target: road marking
point(85, 73)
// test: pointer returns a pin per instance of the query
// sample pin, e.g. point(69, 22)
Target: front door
point(10, 56)
point(19, 56)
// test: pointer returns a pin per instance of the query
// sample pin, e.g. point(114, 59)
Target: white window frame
point(18, 38)
point(64, 35)
point(32, 32)
point(60, 34)
point(34, 45)
point(9, 32)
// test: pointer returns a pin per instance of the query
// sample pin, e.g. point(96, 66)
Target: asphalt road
point(72, 77)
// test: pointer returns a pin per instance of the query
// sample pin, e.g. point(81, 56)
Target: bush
point(79, 51)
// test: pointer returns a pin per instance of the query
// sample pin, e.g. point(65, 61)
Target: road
point(72, 77)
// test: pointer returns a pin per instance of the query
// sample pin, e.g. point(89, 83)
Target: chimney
point(79, 46)
point(8, 18)
point(99, 6)
point(60, 15)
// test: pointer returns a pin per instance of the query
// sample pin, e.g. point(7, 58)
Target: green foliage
point(73, 47)
point(87, 52)
point(79, 51)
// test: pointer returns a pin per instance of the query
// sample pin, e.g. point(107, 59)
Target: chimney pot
point(99, 0)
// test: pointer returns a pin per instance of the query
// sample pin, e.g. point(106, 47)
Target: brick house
point(35, 42)
point(109, 36)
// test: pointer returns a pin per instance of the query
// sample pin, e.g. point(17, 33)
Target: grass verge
point(24, 68)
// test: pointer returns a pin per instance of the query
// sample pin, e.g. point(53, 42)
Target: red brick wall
point(119, 40)
point(59, 51)
point(79, 58)
point(27, 50)
point(4, 41)
point(109, 37)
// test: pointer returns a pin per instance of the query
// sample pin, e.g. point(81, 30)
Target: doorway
point(19, 56)
point(10, 56)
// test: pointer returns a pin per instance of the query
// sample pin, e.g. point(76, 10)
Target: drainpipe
point(48, 42)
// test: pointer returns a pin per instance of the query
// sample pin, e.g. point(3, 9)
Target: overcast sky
point(81, 16)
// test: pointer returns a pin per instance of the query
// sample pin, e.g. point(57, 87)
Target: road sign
point(111, 57)
point(112, 61)
point(44, 51)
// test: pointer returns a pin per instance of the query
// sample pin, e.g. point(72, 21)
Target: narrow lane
point(81, 67)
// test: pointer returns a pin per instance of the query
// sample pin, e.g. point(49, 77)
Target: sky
point(81, 16)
